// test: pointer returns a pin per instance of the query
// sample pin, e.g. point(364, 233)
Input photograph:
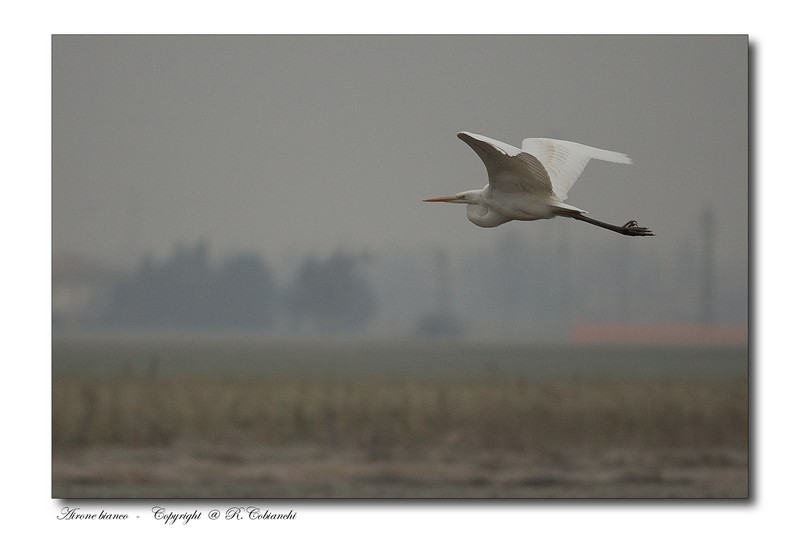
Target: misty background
point(274, 183)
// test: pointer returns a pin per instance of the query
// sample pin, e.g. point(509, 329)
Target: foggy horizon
point(290, 147)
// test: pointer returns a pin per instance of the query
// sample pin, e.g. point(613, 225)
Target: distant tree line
point(331, 295)
point(188, 291)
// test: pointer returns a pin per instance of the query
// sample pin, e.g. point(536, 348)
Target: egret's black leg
point(631, 227)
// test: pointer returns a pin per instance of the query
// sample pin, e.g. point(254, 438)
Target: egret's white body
point(531, 183)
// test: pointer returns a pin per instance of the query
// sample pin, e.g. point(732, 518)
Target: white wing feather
point(565, 160)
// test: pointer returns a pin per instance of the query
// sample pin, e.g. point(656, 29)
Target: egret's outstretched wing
point(565, 160)
point(509, 168)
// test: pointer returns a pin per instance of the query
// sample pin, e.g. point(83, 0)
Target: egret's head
point(466, 197)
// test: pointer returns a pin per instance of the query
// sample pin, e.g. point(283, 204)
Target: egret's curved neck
point(479, 213)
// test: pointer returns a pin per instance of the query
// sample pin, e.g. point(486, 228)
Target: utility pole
point(707, 289)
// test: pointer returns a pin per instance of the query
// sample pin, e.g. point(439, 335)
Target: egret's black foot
point(633, 229)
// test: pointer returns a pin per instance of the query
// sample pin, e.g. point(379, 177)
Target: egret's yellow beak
point(441, 199)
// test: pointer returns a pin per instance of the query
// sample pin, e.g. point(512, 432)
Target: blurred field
point(264, 419)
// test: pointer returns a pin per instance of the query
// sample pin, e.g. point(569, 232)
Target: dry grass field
point(383, 435)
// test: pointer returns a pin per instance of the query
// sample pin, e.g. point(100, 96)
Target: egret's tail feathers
point(565, 210)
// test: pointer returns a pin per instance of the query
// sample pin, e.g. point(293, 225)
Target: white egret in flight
point(531, 183)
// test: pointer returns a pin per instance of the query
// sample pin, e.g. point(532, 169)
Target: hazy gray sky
point(283, 144)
